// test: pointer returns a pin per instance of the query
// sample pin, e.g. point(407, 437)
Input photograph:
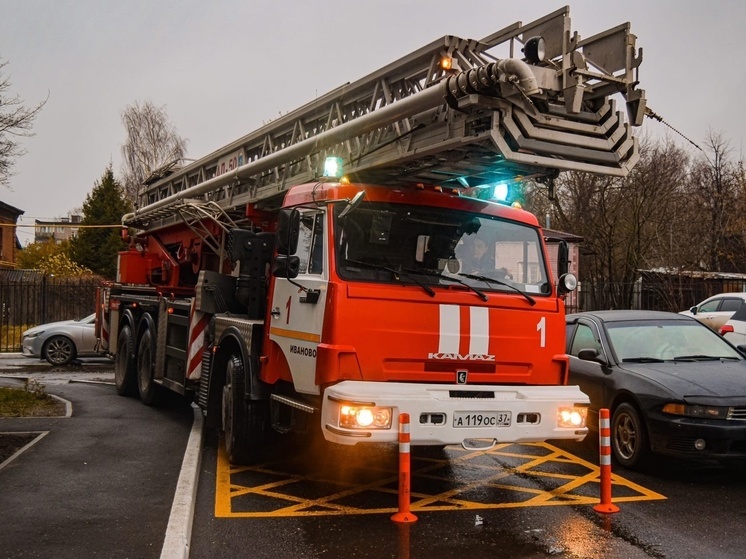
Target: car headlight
point(704, 412)
point(32, 335)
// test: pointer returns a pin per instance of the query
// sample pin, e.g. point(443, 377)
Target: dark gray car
point(672, 385)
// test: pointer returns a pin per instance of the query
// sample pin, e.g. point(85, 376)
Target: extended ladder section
point(527, 101)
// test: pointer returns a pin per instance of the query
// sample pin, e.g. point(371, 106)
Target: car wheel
point(245, 422)
point(59, 350)
point(124, 364)
point(629, 439)
point(149, 390)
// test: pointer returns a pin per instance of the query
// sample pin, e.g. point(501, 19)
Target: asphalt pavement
point(107, 481)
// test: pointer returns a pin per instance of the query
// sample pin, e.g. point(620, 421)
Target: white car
point(735, 329)
point(715, 311)
point(61, 342)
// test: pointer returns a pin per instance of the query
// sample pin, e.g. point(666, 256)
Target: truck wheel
point(629, 439)
point(149, 390)
point(59, 350)
point(244, 422)
point(124, 364)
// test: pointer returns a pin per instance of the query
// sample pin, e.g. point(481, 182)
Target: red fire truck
point(348, 262)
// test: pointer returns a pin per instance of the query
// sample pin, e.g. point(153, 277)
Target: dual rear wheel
point(134, 367)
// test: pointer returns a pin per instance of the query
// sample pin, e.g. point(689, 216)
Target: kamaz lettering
point(459, 357)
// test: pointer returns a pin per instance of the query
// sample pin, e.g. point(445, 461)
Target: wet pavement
point(99, 483)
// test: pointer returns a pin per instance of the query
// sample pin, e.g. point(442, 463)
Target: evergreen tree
point(96, 247)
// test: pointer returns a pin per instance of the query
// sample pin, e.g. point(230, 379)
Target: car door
point(728, 306)
point(87, 342)
point(590, 376)
point(707, 311)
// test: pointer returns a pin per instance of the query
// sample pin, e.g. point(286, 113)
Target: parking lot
point(306, 501)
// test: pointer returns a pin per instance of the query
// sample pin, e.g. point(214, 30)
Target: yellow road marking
point(492, 477)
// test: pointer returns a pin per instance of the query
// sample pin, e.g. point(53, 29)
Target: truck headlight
point(573, 417)
point(364, 417)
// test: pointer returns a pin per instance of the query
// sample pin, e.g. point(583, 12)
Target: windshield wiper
point(643, 360)
point(701, 358)
point(395, 272)
point(481, 294)
point(492, 280)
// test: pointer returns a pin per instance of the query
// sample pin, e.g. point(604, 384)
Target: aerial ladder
point(450, 113)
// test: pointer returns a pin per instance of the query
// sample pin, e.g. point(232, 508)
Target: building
point(9, 243)
point(60, 230)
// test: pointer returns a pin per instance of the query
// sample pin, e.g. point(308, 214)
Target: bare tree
point(16, 121)
point(625, 223)
point(716, 193)
point(152, 145)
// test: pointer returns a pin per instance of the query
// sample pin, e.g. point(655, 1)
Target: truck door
point(297, 311)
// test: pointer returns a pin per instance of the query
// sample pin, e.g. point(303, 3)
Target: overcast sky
point(223, 68)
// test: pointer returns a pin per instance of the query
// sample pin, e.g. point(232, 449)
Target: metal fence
point(29, 298)
point(652, 291)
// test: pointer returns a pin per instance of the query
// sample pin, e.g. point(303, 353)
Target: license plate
point(481, 419)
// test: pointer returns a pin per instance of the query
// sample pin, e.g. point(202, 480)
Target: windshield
point(667, 340)
point(395, 243)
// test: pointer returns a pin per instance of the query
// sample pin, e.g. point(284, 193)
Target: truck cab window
point(311, 243)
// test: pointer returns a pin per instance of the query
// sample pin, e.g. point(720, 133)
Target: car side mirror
point(693, 310)
point(741, 348)
point(591, 354)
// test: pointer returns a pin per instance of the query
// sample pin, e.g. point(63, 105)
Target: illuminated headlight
point(364, 417)
point(704, 412)
point(573, 417)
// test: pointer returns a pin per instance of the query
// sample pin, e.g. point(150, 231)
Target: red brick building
point(9, 243)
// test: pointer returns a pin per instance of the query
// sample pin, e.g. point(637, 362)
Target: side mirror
point(591, 354)
point(288, 230)
point(284, 266)
point(563, 259)
point(354, 203)
point(693, 310)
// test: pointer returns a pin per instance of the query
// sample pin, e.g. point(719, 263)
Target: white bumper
point(433, 407)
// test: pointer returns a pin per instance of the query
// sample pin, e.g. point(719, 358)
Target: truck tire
point(245, 422)
point(149, 391)
point(124, 364)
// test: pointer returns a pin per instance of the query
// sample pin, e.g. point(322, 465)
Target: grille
point(737, 413)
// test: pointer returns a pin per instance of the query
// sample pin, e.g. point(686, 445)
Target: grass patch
point(29, 401)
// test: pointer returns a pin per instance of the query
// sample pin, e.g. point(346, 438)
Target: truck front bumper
point(456, 413)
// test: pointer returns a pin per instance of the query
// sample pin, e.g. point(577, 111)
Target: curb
point(179, 531)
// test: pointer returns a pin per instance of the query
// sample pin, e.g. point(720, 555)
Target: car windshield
point(427, 246)
point(667, 340)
